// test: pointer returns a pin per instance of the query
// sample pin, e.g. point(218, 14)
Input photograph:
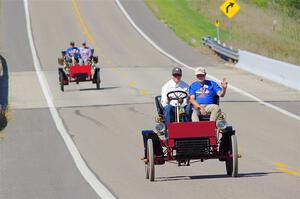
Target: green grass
point(251, 29)
point(186, 22)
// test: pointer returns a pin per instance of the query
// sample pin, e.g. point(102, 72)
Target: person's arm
point(193, 101)
point(164, 99)
point(196, 105)
point(222, 92)
point(67, 53)
point(90, 52)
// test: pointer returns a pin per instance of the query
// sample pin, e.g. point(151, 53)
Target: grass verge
point(251, 29)
point(186, 22)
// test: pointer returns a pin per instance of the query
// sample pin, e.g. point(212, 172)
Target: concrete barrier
point(277, 71)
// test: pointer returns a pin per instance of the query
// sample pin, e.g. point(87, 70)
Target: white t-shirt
point(172, 86)
point(85, 53)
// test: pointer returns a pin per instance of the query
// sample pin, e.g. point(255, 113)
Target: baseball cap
point(200, 71)
point(84, 43)
point(176, 71)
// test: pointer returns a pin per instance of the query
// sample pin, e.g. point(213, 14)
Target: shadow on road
point(103, 88)
point(3, 93)
point(241, 175)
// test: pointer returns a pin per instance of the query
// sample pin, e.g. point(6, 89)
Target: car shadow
point(217, 176)
point(101, 88)
point(3, 92)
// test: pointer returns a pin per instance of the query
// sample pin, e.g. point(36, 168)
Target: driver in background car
point(175, 84)
point(203, 93)
point(85, 54)
point(72, 54)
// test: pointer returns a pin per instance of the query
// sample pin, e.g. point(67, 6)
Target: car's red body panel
point(77, 69)
point(192, 130)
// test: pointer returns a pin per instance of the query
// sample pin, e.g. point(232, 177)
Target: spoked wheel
point(98, 79)
point(150, 156)
point(61, 81)
point(147, 171)
point(232, 162)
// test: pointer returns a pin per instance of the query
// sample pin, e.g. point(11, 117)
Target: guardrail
point(223, 50)
point(277, 71)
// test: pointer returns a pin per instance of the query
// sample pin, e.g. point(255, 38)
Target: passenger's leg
point(195, 115)
point(188, 112)
point(169, 113)
point(81, 61)
point(87, 61)
point(214, 111)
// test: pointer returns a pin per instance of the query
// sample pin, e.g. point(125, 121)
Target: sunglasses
point(177, 75)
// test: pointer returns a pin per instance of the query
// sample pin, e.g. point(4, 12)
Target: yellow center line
point(133, 84)
point(143, 92)
point(123, 74)
point(83, 26)
point(108, 61)
point(279, 164)
point(284, 168)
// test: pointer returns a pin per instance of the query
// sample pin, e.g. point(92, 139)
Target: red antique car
point(78, 73)
point(185, 141)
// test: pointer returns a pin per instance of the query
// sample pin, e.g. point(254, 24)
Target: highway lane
point(106, 124)
point(34, 160)
point(107, 133)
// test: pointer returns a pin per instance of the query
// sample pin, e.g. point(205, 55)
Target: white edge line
point(191, 68)
point(88, 175)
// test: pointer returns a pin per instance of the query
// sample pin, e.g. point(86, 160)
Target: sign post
point(229, 9)
point(217, 24)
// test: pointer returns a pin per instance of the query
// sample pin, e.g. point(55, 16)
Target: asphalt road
point(105, 124)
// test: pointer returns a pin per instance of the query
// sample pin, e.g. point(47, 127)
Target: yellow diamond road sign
point(217, 23)
point(230, 8)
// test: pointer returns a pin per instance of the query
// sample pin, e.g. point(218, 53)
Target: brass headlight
point(221, 124)
point(161, 127)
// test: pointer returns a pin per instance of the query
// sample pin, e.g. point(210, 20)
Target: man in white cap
point(85, 54)
point(203, 93)
point(175, 84)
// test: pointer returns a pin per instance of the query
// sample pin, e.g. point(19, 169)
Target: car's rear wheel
point(150, 157)
point(61, 81)
point(232, 161)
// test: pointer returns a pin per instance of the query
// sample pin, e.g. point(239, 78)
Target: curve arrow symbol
point(230, 5)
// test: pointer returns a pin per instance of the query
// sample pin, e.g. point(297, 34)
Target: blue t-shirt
point(204, 94)
point(72, 51)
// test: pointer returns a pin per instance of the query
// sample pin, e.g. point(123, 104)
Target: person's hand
point(202, 110)
point(224, 83)
point(169, 99)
